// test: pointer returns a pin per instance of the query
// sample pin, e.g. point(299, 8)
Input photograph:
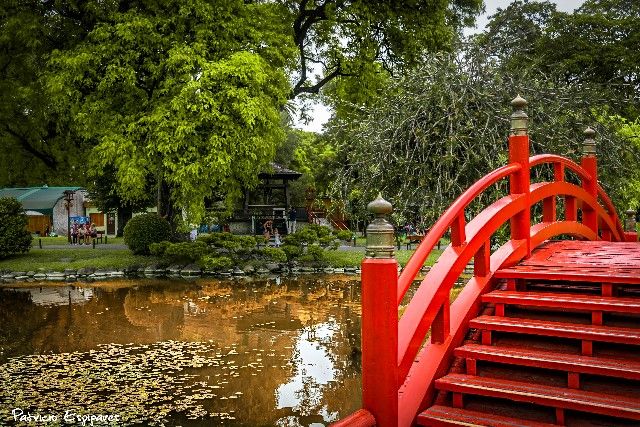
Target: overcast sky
point(321, 113)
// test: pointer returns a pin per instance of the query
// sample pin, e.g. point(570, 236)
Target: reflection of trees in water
point(261, 319)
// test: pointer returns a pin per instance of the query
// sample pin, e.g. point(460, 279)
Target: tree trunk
point(166, 209)
point(124, 215)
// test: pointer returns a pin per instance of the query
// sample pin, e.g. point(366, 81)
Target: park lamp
point(380, 232)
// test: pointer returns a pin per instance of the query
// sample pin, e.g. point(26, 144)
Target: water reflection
point(199, 353)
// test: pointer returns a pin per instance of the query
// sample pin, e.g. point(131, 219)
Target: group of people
point(81, 234)
point(268, 229)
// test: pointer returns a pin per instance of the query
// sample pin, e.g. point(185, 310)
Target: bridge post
point(380, 319)
point(520, 182)
point(630, 233)
point(590, 163)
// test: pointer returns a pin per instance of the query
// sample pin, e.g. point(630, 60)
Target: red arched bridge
point(545, 332)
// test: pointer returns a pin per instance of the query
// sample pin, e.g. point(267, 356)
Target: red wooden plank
point(551, 360)
point(554, 397)
point(557, 329)
point(564, 301)
point(440, 416)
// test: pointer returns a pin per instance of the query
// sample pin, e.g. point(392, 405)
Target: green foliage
point(229, 241)
point(444, 126)
point(275, 254)
point(159, 249)
point(344, 235)
point(187, 94)
point(186, 251)
point(14, 236)
point(216, 263)
point(314, 254)
point(143, 230)
point(292, 251)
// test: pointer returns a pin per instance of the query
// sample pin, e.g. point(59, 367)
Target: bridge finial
point(630, 221)
point(380, 232)
point(519, 119)
point(589, 144)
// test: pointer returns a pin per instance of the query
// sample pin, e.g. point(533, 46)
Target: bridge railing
point(402, 358)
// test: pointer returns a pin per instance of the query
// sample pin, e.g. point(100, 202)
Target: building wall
point(60, 218)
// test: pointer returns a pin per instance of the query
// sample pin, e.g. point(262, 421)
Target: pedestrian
point(74, 233)
point(267, 230)
point(291, 224)
point(276, 237)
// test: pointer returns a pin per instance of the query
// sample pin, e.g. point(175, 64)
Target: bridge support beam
point(380, 319)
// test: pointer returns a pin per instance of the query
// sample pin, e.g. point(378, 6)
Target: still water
point(272, 352)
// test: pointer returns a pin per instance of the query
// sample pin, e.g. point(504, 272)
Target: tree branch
point(316, 87)
point(47, 159)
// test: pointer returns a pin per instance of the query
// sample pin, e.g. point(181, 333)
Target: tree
point(444, 126)
point(185, 94)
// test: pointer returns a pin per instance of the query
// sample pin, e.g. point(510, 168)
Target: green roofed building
point(46, 206)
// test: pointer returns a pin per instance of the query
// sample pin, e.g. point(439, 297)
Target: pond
point(272, 352)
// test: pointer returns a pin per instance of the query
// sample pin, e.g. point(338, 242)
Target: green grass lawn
point(60, 259)
point(62, 240)
point(354, 258)
point(75, 258)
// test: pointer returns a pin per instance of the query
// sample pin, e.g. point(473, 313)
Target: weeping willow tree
point(442, 127)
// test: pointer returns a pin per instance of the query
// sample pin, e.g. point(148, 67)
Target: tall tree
point(444, 126)
point(186, 94)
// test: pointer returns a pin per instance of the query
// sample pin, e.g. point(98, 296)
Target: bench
point(100, 237)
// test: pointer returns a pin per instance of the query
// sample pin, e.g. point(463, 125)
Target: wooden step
point(554, 397)
point(611, 274)
point(556, 329)
point(564, 301)
point(551, 360)
point(440, 416)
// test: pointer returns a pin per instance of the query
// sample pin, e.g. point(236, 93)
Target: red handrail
point(432, 238)
point(396, 363)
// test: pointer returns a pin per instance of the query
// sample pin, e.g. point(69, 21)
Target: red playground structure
point(544, 333)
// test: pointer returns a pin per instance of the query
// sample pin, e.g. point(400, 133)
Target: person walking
point(291, 224)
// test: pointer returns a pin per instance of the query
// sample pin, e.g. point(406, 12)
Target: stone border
point(177, 271)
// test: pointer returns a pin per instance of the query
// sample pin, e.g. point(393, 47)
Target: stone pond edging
point(175, 271)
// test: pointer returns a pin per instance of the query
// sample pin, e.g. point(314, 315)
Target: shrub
point(158, 249)
point(216, 263)
point(275, 254)
point(343, 235)
point(14, 236)
point(291, 251)
point(186, 251)
point(143, 230)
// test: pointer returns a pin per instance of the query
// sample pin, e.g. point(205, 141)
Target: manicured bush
point(186, 251)
point(158, 249)
point(143, 230)
point(274, 254)
point(216, 263)
point(14, 236)
point(343, 235)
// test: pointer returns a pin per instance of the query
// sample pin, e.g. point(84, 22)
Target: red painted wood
point(593, 365)
point(520, 184)
point(380, 340)
point(422, 252)
point(564, 301)
point(554, 397)
point(589, 216)
point(580, 261)
point(360, 418)
point(441, 416)
point(558, 329)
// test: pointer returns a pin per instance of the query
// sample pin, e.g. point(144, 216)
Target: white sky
point(321, 113)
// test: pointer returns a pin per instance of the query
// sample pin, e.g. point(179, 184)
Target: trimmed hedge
point(143, 230)
point(14, 236)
